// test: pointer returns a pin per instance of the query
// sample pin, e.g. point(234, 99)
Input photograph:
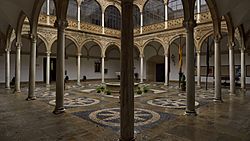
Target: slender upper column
point(60, 65)
point(141, 25)
point(18, 67)
point(103, 22)
point(79, 16)
point(103, 69)
point(32, 69)
point(217, 72)
point(189, 25)
point(166, 70)
point(231, 68)
point(48, 69)
point(198, 68)
point(141, 68)
point(127, 73)
point(7, 69)
point(79, 69)
point(47, 2)
point(243, 71)
point(198, 10)
point(166, 15)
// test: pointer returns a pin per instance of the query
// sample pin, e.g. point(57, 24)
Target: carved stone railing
point(91, 28)
point(176, 23)
point(73, 24)
point(112, 32)
point(204, 17)
point(137, 31)
point(153, 27)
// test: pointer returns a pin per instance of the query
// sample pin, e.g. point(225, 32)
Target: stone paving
point(92, 116)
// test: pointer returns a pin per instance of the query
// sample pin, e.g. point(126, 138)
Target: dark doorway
point(160, 72)
point(52, 69)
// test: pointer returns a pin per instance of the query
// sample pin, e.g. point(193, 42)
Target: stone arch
point(156, 40)
point(112, 4)
point(110, 44)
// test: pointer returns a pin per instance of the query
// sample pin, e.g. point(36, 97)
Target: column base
point(31, 98)
point(78, 84)
point(47, 85)
point(218, 100)
point(166, 84)
point(190, 113)
point(127, 140)
point(198, 86)
point(17, 91)
point(232, 94)
point(7, 88)
point(59, 111)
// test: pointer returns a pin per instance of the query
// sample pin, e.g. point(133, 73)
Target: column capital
point(61, 24)
point(217, 38)
point(79, 54)
point(141, 55)
point(19, 45)
point(231, 45)
point(48, 53)
point(33, 37)
point(7, 50)
point(189, 24)
point(198, 51)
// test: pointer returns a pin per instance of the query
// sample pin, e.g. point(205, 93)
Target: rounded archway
point(91, 60)
point(177, 56)
point(154, 59)
point(112, 62)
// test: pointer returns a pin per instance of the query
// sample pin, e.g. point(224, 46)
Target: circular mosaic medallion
point(170, 103)
point(77, 102)
point(111, 117)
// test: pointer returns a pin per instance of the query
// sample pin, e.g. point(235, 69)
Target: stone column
point(79, 69)
point(231, 68)
point(141, 68)
point(47, 2)
point(166, 70)
point(7, 69)
point(198, 68)
point(18, 67)
point(198, 10)
point(243, 72)
point(141, 23)
point(103, 69)
point(103, 22)
point(217, 70)
point(127, 73)
point(190, 89)
point(60, 65)
point(166, 15)
point(48, 69)
point(79, 16)
point(32, 69)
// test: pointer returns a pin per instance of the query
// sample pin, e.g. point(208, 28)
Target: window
point(91, 12)
point(72, 10)
point(175, 9)
point(112, 18)
point(136, 16)
point(153, 12)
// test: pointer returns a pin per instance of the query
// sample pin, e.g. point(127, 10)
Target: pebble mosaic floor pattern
point(76, 102)
point(110, 117)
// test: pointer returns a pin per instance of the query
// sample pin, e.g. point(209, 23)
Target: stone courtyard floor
point(92, 116)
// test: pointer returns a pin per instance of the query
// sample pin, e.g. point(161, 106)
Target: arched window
point(136, 16)
point(91, 12)
point(153, 12)
point(44, 8)
point(52, 9)
point(72, 10)
point(112, 17)
point(175, 9)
